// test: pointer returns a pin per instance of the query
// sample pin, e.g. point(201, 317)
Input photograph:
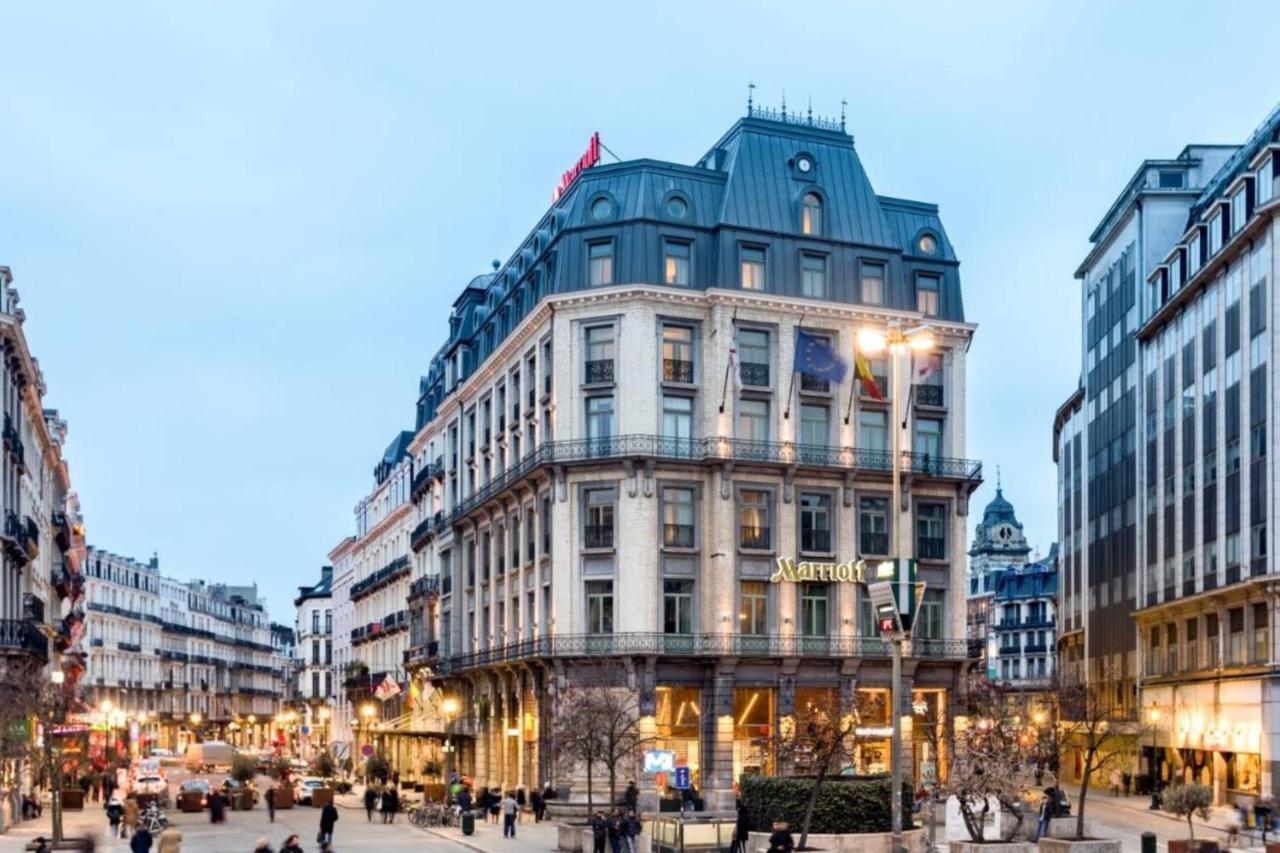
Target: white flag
point(923, 365)
point(387, 689)
point(735, 366)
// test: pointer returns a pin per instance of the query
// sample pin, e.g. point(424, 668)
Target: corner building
point(599, 502)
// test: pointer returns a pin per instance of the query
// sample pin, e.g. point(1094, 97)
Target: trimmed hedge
point(844, 805)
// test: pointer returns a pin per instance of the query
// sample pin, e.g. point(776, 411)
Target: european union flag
point(816, 358)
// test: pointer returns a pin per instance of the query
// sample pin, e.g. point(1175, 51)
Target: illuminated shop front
point(753, 731)
point(678, 723)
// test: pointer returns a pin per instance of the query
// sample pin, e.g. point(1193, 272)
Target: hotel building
point(600, 499)
point(313, 656)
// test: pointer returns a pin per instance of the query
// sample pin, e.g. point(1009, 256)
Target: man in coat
point(328, 817)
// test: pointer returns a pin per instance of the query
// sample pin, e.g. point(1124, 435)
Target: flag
point(923, 365)
point(386, 689)
point(862, 368)
point(817, 359)
point(735, 366)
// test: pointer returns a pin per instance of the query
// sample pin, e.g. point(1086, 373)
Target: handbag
point(320, 837)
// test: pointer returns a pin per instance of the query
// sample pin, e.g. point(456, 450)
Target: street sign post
point(682, 778)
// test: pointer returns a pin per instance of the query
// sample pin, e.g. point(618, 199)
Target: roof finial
point(997, 477)
point(784, 104)
point(810, 109)
point(843, 104)
point(751, 97)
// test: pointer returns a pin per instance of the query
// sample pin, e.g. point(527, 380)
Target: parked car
point(303, 787)
point(201, 785)
point(152, 785)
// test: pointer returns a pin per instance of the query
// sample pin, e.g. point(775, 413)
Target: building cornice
point(391, 520)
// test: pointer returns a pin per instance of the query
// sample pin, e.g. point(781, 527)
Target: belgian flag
point(862, 368)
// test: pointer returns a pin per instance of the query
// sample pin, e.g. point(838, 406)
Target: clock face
point(1004, 533)
point(804, 164)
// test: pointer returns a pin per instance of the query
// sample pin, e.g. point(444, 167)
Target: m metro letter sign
point(589, 158)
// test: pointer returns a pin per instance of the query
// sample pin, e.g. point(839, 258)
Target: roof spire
point(997, 476)
point(784, 104)
point(843, 104)
point(810, 109)
point(751, 97)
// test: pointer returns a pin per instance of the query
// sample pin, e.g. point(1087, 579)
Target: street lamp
point(1153, 715)
point(900, 344)
point(448, 707)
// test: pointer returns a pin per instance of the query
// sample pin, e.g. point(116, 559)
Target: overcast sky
point(237, 227)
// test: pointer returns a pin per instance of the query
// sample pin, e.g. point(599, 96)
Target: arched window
point(811, 214)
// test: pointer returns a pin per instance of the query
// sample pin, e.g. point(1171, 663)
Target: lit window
point(675, 262)
point(752, 268)
point(813, 276)
point(600, 264)
point(873, 284)
point(754, 529)
point(811, 214)
point(928, 245)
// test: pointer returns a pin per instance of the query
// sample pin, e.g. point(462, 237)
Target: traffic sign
point(306, 730)
point(682, 778)
point(366, 750)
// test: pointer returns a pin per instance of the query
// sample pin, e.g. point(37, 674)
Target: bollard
point(1148, 842)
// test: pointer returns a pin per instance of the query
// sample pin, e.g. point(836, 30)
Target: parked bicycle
point(432, 814)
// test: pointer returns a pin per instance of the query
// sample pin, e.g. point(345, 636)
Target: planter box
point(992, 847)
point(1083, 845)
point(1065, 827)
point(73, 799)
point(1192, 845)
point(871, 842)
point(321, 797)
point(569, 837)
point(284, 797)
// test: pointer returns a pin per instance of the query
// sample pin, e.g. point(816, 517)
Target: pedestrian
point(292, 844)
point(464, 800)
point(615, 832)
point(115, 813)
point(538, 804)
point(780, 841)
point(370, 800)
point(632, 796)
point(1115, 782)
point(108, 783)
point(741, 830)
point(510, 810)
point(217, 807)
point(130, 821)
point(688, 800)
point(41, 845)
point(390, 803)
point(264, 846)
point(328, 817)
point(141, 842)
point(270, 797)
point(520, 801)
point(599, 832)
point(1127, 780)
point(395, 778)
point(1046, 812)
point(170, 840)
point(632, 827)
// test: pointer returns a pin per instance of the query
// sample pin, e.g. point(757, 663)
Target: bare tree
point(599, 727)
point(1092, 719)
point(989, 761)
point(818, 738)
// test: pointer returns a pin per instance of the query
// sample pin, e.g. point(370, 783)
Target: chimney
point(326, 574)
point(154, 562)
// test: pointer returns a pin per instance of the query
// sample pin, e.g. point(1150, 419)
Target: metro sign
point(589, 158)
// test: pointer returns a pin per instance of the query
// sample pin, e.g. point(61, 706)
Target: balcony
point(13, 444)
point(421, 483)
point(677, 535)
point(882, 382)
point(593, 536)
point(755, 538)
point(677, 370)
point(754, 374)
point(422, 533)
point(873, 543)
point(15, 539)
point(61, 530)
point(815, 541)
point(128, 647)
point(422, 655)
point(427, 585)
point(929, 395)
point(931, 548)
point(702, 645)
point(599, 372)
point(397, 568)
point(1036, 648)
point(32, 608)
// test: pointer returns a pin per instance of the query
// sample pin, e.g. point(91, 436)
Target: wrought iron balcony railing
point(873, 543)
point(677, 370)
point(600, 371)
point(426, 585)
point(395, 569)
point(813, 385)
point(931, 547)
point(677, 535)
point(702, 645)
point(754, 374)
point(755, 538)
point(596, 536)
point(929, 395)
point(816, 541)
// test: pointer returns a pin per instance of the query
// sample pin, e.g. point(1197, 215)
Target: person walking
point(615, 832)
point(780, 840)
point(510, 809)
point(217, 807)
point(632, 796)
point(292, 844)
point(742, 829)
point(390, 805)
point(130, 821)
point(328, 817)
point(599, 832)
point(270, 797)
point(537, 804)
point(1047, 807)
point(370, 800)
point(141, 842)
point(464, 801)
point(170, 840)
point(632, 828)
point(115, 813)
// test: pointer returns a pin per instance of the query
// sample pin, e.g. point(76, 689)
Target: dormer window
point(811, 214)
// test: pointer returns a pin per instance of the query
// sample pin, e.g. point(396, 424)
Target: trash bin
point(1148, 842)
point(468, 823)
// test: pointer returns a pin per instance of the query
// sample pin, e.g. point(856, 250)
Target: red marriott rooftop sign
point(588, 159)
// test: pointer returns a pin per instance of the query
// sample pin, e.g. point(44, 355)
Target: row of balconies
point(422, 654)
point(23, 637)
point(21, 538)
point(13, 444)
point(424, 586)
point(706, 645)
point(713, 449)
point(397, 568)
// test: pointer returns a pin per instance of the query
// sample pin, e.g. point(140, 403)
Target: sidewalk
point(1221, 822)
point(530, 837)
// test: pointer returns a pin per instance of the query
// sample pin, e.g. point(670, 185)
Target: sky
point(237, 227)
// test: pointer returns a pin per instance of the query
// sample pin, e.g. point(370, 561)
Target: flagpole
point(724, 389)
point(791, 386)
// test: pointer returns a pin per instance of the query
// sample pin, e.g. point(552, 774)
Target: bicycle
point(425, 815)
point(152, 819)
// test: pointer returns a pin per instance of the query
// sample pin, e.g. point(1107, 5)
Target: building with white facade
point(603, 490)
point(313, 655)
point(344, 615)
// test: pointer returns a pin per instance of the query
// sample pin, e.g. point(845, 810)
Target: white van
point(210, 755)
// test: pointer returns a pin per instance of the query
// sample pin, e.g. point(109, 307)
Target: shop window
point(677, 726)
point(753, 731)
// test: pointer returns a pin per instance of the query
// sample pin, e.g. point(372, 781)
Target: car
point(303, 788)
point(200, 785)
point(231, 787)
point(152, 785)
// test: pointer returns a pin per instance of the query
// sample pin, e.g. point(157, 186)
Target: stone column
point(717, 731)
